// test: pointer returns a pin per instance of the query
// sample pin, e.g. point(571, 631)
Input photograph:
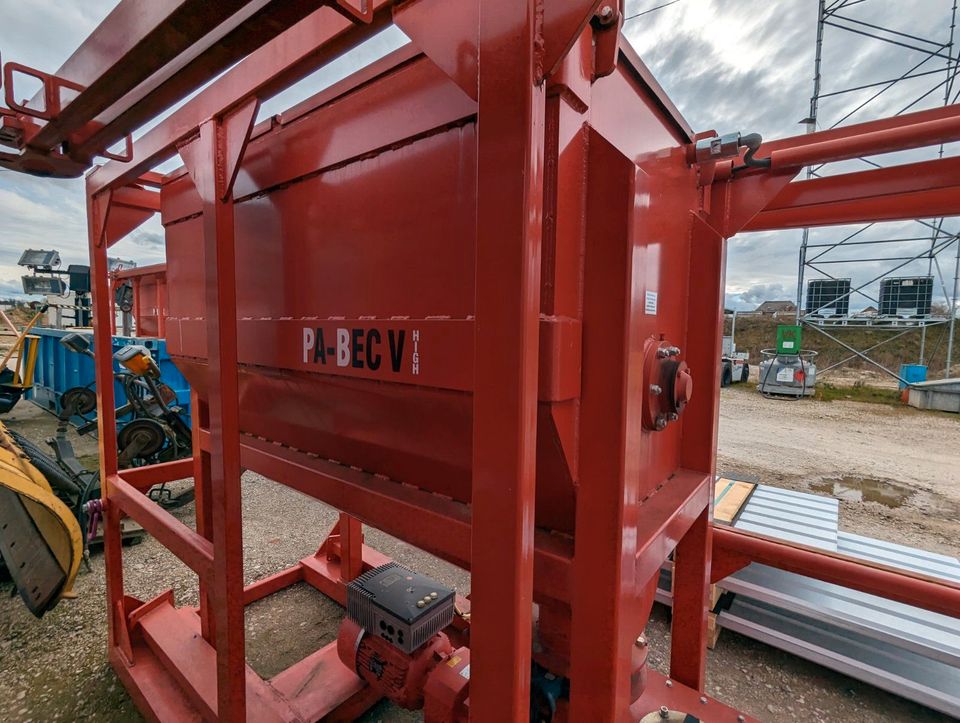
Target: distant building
point(777, 308)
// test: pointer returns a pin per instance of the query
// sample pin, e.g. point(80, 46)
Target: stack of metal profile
point(899, 648)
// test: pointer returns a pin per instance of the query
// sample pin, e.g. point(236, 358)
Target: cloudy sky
point(728, 64)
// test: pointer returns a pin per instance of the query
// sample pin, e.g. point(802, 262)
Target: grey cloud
point(744, 65)
point(148, 239)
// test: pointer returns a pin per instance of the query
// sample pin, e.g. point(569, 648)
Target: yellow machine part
point(40, 538)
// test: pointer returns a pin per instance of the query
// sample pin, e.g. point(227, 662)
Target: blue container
point(59, 369)
point(912, 373)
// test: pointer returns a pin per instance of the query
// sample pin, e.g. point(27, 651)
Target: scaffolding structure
point(926, 248)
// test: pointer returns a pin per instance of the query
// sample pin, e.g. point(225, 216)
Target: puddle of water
point(863, 489)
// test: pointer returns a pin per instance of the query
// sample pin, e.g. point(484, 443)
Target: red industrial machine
point(471, 295)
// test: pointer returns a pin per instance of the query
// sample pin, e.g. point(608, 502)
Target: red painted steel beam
point(246, 31)
point(397, 509)
point(510, 151)
point(942, 113)
point(136, 197)
point(103, 320)
point(136, 62)
point(151, 270)
point(732, 549)
point(869, 142)
point(212, 160)
point(605, 615)
point(187, 545)
point(314, 41)
point(915, 190)
point(143, 478)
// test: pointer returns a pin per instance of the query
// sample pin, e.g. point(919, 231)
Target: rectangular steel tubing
point(172, 634)
point(143, 478)
point(913, 190)
point(314, 41)
point(317, 685)
point(210, 159)
point(138, 40)
point(691, 592)
point(666, 517)
point(397, 509)
point(608, 513)
point(187, 545)
point(267, 586)
point(103, 320)
point(510, 138)
point(927, 593)
point(244, 32)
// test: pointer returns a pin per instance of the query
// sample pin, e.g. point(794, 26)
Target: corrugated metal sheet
point(891, 668)
point(901, 556)
point(911, 628)
point(900, 648)
point(793, 516)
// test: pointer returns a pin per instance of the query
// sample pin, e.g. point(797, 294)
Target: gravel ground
point(56, 669)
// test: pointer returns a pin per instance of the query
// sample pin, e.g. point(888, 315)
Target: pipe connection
point(729, 145)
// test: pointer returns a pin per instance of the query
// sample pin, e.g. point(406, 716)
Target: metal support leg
point(97, 210)
point(605, 599)
point(691, 592)
point(510, 172)
point(212, 160)
point(200, 414)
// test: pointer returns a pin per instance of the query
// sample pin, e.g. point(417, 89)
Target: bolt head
point(703, 699)
point(661, 422)
point(641, 641)
point(656, 389)
point(673, 416)
point(606, 12)
point(664, 712)
point(669, 683)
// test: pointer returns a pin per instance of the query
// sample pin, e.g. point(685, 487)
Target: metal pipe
point(939, 596)
point(811, 123)
point(917, 135)
point(953, 312)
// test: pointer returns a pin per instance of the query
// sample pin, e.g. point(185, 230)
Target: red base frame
point(169, 668)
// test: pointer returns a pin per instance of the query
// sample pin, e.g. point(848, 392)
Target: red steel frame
point(180, 664)
point(149, 285)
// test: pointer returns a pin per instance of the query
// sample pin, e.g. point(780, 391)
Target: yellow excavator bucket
point(40, 538)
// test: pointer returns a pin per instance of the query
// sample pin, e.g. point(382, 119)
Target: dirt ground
point(908, 460)
point(56, 669)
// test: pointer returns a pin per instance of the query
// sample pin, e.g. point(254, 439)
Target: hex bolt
point(661, 421)
point(669, 683)
point(655, 389)
point(641, 642)
point(606, 12)
point(662, 353)
point(703, 699)
point(673, 416)
point(664, 712)
point(673, 351)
